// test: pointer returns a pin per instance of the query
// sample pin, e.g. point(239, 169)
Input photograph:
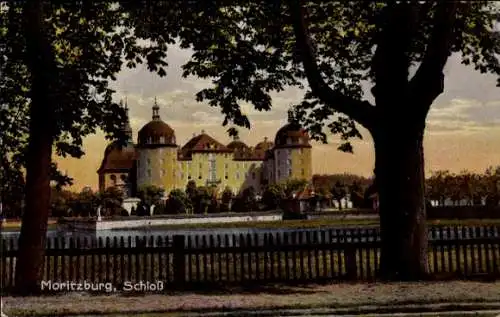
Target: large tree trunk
point(39, 59)
point(399, 172)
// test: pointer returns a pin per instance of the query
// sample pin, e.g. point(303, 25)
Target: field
point(289, 224)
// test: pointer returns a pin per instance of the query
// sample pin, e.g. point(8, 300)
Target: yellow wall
point(199, 166)
point(290, 163)
point(301, 163)
point(169, 173)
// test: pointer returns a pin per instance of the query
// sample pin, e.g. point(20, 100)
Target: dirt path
point(332, 295)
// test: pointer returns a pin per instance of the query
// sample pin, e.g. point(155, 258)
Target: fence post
point(350, 261)
point(179, 261)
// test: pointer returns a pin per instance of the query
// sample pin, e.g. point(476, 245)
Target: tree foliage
point(471, 188)
point(111, 201)
point(178, 202)
point(249, 49)
point(226, 199)
point(202, 200)
point(339, 192)
point(91, 43)
point(150, 194)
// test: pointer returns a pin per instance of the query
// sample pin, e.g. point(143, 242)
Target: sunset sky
point(463, 127)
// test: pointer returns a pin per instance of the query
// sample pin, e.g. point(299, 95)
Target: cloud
point(463, 127)
point(464, 115)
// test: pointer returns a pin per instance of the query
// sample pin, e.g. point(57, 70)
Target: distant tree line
point(442, 187)
point(465, 187)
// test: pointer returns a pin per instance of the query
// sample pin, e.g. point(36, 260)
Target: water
point(231, 236)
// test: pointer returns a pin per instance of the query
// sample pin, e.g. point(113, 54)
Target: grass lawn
point(319, 224)
point(360, 299)
point(289, 224)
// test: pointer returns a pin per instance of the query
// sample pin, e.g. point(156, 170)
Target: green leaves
point(92, 43)
point(150, 195)
point(473, 187)
point(248, 50)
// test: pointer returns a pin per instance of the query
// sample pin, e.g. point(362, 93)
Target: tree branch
point(428, 82)
point(360, 111)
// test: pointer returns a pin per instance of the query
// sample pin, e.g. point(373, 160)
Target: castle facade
point(156, 159)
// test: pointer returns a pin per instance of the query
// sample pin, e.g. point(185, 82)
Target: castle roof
point(117, 158)
point(292, 135)
point(156, 133)
point(203, 143)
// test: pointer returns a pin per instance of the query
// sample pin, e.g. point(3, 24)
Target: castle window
point(253, 175)
point(226, 176)
point(162, 162)
point(149, 140)
point(149, 173)
point(237, 175)
point(181, 175)
point(138, 163)
point(302, 172)
point(290, 172)
point(174, 173)
point(288, 141)
point(162, 139)
point(301, 161)
point(201, 165)
point(149, 162)
point(123, 178)
point(113, 179)
point(200, 177)
point(226, 166)
point(299, 140)
point(189, 177)
point(289, 162)
point(162, 172)
point(279, 173)
point(301, 150)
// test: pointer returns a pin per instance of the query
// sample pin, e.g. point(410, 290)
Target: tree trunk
point(399, 171)
point(39, 58)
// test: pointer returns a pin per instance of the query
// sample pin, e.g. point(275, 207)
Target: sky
point(463, 126)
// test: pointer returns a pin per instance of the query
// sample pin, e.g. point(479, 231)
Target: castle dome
point(156, 133)
point(292, 135)
point(117, 158)
point(264, 145)
point(236, 144)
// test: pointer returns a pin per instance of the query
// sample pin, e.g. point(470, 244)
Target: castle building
point(158, 160)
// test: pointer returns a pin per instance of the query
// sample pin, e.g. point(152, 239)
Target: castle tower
point(157, 154)
point(126, 125)
point(117, 167)
point(292, 152)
